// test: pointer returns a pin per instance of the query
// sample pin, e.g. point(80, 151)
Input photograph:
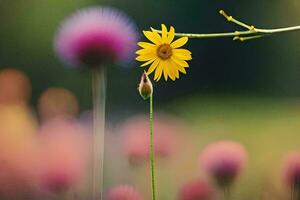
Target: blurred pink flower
point(96, 36)
point(196, 190)
point(123, 192)
point(136, 138)
point(224, 161)
point(64, 155)
point(18, 170)
point(15, 87)
point(291, 170)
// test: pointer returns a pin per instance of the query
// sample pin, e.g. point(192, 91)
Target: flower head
point(291, 170)
point(63, 155)
point(123, 192)
point(164, 55)
point(224, 161)
point(196, 190)
point(145, 87)
point(96, 36)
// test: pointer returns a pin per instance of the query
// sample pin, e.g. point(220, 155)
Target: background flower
point(63, 155)
point(224, 161)
point(96, 36)
point(196, 190)
point(291, 170)
point(123, 192)
point(15, 87)
point(57, 102)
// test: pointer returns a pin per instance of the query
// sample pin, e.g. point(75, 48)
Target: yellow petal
point(180, 42)
point(148, 63)
point(146, 45)
point(180, 61)
point(176, 73)
point(153, 66)
point(171, 35)
point(172, 74)
point(166, 73)
point(164, 33)
point(145, 57)
point(171, 71)
point(180, 68)
point(182, 54)
point(153, 37)
point(183, 51)
point(158, 71)
point(145, 51)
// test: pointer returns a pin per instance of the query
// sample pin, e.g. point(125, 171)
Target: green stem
point(152, 161)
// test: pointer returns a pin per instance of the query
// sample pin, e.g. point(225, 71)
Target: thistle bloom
point(123, 192)
point(136, 139)
point(164, 55)
point(196, 190)
point(291, 171)
point(96, 36)
point(64, 155)
point(224, 161)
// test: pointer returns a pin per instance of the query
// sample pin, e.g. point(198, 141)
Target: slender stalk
point(250, 33)
point(226, 191)
point(152, 161)
point(98, 86)
point(212, 35)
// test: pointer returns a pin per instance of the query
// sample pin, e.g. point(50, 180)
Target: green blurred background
point(264, 67)
point(245, 91)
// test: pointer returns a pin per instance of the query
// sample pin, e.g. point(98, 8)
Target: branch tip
point(224, 14)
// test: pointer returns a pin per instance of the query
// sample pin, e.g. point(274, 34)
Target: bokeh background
point(247, 92)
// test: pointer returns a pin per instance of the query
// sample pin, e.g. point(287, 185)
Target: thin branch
point(244, 35)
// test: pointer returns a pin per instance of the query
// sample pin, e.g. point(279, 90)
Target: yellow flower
point(165, 56)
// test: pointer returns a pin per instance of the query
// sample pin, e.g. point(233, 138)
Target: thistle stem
point(250, 33)
point(98, 87)
point(152, 161)
point(226, 191)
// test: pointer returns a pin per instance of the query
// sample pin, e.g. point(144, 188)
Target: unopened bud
point(145, 87)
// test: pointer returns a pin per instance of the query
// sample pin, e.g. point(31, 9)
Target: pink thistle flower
point(64, 155)
point(96, 36)
point(196, 190)
point(123, 192)
point(135, 134)
point(224, 161)
point(291, 170)
point(18, 170)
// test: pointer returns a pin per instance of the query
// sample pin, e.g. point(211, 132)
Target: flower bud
point(145, 87)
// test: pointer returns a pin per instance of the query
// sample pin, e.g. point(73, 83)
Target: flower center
point(164, 51)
